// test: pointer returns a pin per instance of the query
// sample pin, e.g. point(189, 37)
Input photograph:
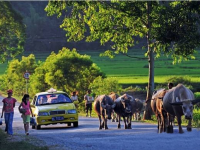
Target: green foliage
point(13, 79)
point(179, 33)
point(3, 84)
point(102, 86)
point(197, 95)
point(168, 25)
point(183, 80)
point(12, 32)
point(68, 71)
point(37, 80)
point(196, 117)
point(134, 89)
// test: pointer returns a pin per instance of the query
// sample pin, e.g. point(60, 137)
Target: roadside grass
point(8, 144)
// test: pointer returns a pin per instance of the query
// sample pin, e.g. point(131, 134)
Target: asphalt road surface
point(87, 136)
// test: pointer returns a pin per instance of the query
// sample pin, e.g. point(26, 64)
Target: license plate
point(57, 118)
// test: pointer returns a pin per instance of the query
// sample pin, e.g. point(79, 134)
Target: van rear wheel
point(38, 127)
point(33, 126)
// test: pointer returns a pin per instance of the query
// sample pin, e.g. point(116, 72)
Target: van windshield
point(53, 98)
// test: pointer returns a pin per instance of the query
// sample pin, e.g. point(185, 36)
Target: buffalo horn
point(195, 101)
point(177, 103)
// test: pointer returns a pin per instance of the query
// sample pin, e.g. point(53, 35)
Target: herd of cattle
point(166, 104)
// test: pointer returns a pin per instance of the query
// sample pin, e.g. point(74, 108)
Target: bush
point(102, 86)
point(197, 95)
point(134, 89)
point(185, 80)
point(3, 86)
point(196, 117)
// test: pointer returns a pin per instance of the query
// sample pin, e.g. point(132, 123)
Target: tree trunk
point(150, 89)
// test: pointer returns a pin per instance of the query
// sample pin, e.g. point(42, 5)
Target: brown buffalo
point(139, 106)
point(157, 107)
point(114, 96)
point(103, 105)
point(179, 101)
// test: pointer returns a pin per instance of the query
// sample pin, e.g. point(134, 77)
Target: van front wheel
point(75, 124)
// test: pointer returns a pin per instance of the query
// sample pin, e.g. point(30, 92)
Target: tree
point(67, 71)
point(14, 73)
point(12, 32)
point(117, 23)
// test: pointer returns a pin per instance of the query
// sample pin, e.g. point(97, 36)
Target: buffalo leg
point(116, 118)
point(104, 122)
point(179, 124)
point(113, 116)
point(129, 123)
point(189, 126)
point(100, 127)
point(170, 123)
point(125, 124)
point(119, 125)
point(160, 124)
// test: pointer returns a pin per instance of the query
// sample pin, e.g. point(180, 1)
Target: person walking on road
point(26, 111)
point(88, 102)
point(8, 111)
point(74, 98)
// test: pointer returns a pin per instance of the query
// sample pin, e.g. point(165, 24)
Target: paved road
point(142, 136)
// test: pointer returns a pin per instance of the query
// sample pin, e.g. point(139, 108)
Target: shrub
point(134, 89)
point(105, 86)
point(196, 117)
point(185, 80)
point(3, 86)
point(197, 95)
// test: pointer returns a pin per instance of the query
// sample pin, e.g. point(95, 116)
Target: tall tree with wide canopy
point(117, 23)
point(12, 32)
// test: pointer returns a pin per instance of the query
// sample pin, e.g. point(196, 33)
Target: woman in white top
point(74, 98)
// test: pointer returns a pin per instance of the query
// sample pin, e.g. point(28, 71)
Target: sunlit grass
point(135, 71)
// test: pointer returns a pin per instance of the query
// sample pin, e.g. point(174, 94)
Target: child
point(8, 105)
point(25, 104)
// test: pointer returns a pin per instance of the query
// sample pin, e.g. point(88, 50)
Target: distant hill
point(43, 32)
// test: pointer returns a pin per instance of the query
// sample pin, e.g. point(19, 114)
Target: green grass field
point(135, 71)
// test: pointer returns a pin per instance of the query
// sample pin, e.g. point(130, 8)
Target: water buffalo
point(179, 101)
point(139, 106)
point(125, 107)
point(157, 107)
point(114, 96)
point(103, 105)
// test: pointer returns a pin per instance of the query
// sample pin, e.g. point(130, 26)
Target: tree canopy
point(12, 32)
point(172, 24)
point(170, 28)
point(68, 71)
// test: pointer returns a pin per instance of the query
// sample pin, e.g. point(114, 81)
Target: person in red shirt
point(25, 104)
point(8, 111)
